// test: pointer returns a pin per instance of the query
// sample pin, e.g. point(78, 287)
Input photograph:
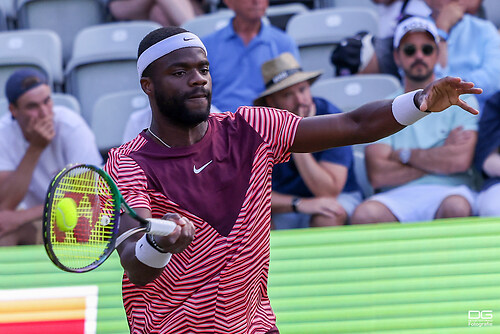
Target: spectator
point(211, 175)
point(312, 189)
point(469, 46)
point(37, 140)
point(165, 12)
point(422, 171)
point(487, 158)
point(237, 51)
point(390, 12)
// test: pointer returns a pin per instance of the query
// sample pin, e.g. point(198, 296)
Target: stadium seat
point(358, 152)
point(317, 32)
point(104, 61)
point(350, 92)
point(206, 24)
point(354, 3)
point(110, 115)
point(8, 9)
point(31, 48)
point(64, 17)
point(279, 15)
point(492, 11)
point(63, 99)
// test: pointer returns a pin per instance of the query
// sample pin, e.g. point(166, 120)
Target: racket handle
point(160, 227)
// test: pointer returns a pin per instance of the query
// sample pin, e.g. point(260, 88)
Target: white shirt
point(74, 142)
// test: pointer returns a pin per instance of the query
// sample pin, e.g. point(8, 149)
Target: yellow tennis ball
point(66, 216)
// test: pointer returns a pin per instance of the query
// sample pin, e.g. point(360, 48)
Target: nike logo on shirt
point(198, 170)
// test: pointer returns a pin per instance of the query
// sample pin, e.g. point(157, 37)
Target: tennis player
point(211, 174)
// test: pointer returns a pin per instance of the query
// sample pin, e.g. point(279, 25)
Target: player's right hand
point(180, 238)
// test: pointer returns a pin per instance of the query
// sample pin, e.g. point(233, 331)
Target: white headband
point(165, 46)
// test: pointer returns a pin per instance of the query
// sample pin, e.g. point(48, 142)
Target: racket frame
point(47, 213)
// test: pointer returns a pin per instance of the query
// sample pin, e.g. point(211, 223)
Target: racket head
point(98, 201)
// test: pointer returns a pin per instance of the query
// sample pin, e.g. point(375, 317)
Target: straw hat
point(282, 72)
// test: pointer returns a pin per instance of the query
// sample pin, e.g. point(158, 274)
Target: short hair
point(154, 37)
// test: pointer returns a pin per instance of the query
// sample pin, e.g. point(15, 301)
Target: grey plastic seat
point(208, 23)
point(8, 9)
point(104, 61)
point(351, 92)
point(111, 113)
point(492, 11)
point(318, 32)
point(35, 48)
point(64, 17)
point(279, 15)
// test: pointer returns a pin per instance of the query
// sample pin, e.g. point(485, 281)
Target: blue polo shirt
point(286, 177)
point(235, 67)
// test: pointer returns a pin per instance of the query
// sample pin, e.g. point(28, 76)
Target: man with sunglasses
point(423, 172)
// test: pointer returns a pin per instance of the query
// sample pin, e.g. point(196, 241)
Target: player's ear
point(147, 85)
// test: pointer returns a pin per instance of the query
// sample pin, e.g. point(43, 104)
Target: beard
point(175, 109)
point(419, 77)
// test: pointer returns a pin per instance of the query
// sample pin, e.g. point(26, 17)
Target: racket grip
point(160, 227)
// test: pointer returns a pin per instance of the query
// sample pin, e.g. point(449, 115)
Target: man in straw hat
point(211, 173)
point(312, 189)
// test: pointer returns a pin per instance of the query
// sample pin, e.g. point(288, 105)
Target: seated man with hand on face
point(37, 140)
point(312, 189)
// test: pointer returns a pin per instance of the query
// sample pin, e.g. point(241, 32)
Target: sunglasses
point(411, 49)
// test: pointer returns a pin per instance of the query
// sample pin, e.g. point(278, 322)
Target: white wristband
point(404, 109)
point(146, 253)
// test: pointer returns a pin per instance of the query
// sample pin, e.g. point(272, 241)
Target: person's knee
point(370, 212)
point(454, 206)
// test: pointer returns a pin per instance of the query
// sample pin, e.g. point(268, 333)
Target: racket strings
point(96, 207)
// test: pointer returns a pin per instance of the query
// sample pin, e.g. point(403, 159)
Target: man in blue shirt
point(312, 189)
point(237, 51)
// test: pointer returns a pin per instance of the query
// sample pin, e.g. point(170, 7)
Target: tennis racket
point(93, 235)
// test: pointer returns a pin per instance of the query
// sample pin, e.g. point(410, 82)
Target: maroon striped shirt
point(223, 184)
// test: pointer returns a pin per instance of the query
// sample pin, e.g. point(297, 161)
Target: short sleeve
point(276, 127)
point(133, 183)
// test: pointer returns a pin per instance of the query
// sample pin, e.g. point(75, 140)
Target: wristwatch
point(443, 35)
point(295, 203)
point(405, 155)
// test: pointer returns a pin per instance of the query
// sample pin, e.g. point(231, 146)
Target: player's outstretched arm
point(380, 119)
point(137, 271)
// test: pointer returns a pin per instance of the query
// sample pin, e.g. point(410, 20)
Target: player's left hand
point(445, 92)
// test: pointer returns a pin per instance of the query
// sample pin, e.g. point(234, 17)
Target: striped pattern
point(387, 278)
point(49, 310)
point(218, 284)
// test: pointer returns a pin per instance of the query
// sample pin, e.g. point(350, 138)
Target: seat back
point(64, 17)
point(206, 24)
point(317, 32)
point(351, 92)
point(104, 61)
point(492, 11)
point(110, 115)
point(35, 48)
point(279, 15)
